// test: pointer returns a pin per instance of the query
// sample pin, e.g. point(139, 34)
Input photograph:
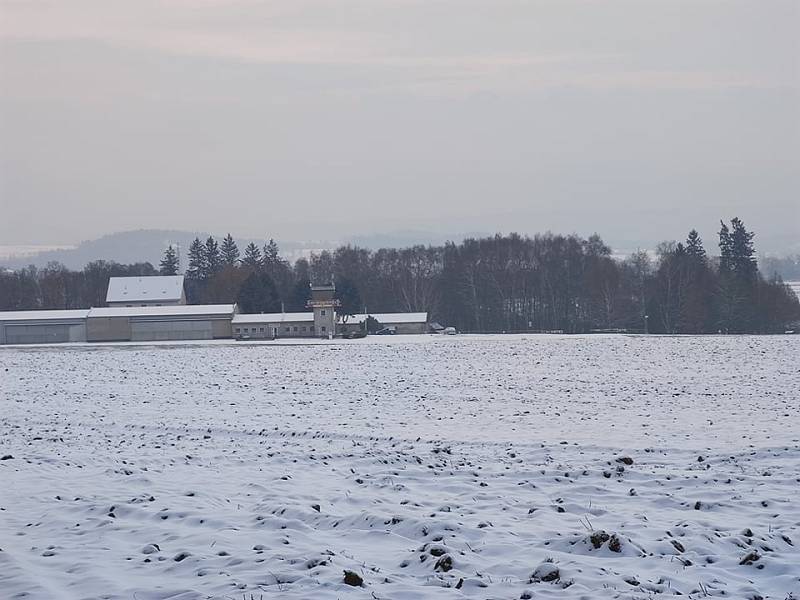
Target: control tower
point(324, 304)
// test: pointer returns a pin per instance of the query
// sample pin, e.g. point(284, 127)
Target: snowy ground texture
point(424, 467)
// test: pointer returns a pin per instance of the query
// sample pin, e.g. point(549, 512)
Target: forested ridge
point(547, 282)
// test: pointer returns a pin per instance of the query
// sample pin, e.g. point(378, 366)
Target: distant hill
point(124, 247)
point(146, 245)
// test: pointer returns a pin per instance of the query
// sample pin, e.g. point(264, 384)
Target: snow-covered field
point(482, 467)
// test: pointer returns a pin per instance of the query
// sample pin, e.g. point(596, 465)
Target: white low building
point(157, 290)
point(275, 325)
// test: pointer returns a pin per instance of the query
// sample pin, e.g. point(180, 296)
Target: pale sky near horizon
point(303, 119)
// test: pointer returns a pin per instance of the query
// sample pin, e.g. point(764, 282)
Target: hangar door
point(148, 331)
point(44, 334)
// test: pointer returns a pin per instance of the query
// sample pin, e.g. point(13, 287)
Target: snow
point(391, 318)
point(292, 317)
point(565, 467)
point(187, 310)
point(166, 288)
point(43, 315)
point(298, 317)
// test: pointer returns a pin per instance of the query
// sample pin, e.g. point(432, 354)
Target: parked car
point(387, 331)
point(449, 331)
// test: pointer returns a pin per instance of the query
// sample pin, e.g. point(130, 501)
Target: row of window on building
point(286, 329)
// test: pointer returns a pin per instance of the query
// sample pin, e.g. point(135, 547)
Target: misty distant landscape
point(148, 246)
point(545, 283)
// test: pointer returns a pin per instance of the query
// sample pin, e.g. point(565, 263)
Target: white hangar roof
point(795, 287)
point(43, 315)
point(391, 318)
point(167, 288)
point(308, 317)
point(183, 310)
point(295, 317)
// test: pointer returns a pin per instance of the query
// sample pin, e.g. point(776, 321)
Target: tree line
point(547, 282)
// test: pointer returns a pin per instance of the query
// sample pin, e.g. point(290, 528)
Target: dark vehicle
point(355, 335)
point(387, 331)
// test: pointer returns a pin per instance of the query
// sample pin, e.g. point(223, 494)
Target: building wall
point(409, 328)
point(108, 329)
point(221, 329)
point(269, 331)
point(324, 322)
point(149, 331)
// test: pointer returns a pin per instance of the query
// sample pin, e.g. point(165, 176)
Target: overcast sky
point(322, 119)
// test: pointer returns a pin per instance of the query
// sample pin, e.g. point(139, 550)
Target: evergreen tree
point(213, 258)
point(725, 248)
point(258, 294)
point(743, 259)
point(271, 253)
point(349, 299)
point(694, 247)
point(695, 314)
point(229, 251)
point(169, 264)
point(373, 325)
point(738, 279)
point(252, 256)
point(197, 260)
point(301, 294)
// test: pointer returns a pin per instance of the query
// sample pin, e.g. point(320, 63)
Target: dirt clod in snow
point(444, 564)
point(353, 578)
point(546, 572)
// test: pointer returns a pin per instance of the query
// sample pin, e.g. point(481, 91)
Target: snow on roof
point(293, 317)
point(392, 318)
point(44, 315)
point(183, 310)
point(138, 289)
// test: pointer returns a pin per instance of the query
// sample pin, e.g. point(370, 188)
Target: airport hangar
point(157, 316)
